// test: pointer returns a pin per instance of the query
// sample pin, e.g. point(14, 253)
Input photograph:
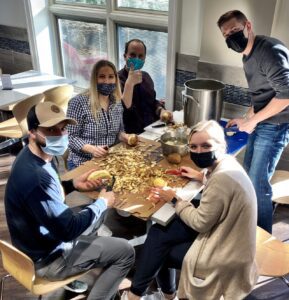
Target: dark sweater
point(144, 104)
point(267, 72)
point(38, 219)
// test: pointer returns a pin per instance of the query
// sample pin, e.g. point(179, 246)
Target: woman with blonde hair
point(213, 244)
point(98, 112)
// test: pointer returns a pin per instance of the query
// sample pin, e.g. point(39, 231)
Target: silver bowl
point(174, 142)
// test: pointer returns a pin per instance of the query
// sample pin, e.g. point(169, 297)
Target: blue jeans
point(264, 148)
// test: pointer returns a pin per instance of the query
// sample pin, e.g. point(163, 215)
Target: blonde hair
point(93, 93)
point(214, 130)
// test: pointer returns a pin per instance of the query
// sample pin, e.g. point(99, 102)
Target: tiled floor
point(129, 228)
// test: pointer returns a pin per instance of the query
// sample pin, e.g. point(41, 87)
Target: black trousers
point(162, 253)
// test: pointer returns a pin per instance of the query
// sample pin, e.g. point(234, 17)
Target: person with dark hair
point(99, 116)
point(138, 90)
point(266, 66)
point(213, 244)
point(61, 242)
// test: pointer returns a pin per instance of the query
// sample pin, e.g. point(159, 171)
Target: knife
point(163, 124)
point(110, 186)
point(159, 125)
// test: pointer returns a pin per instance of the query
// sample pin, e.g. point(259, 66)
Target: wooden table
point(136, 203)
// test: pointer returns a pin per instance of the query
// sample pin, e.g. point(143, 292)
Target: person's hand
point(82, 184)
point(108, 196)
point(96, 151)
point(162, 102)
point(134, 77)
point(158, 194)
point(99, 151)
point(191, 173)
point(243, 124)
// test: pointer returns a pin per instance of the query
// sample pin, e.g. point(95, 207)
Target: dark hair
point(230, 15)
point(32, 120)
point(134, 40)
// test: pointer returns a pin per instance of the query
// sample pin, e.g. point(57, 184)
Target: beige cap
point(46, 114)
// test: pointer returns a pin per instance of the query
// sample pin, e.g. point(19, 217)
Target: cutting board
point(135, 203)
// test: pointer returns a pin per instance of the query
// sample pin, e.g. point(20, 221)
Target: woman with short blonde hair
point(213, 244)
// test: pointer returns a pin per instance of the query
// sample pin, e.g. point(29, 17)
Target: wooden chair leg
point(274, 209)
point(2, 285)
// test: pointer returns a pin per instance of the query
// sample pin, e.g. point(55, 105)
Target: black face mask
point(237, 41)
point(204, 159)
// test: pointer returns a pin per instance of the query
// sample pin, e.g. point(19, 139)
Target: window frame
point(111, 16)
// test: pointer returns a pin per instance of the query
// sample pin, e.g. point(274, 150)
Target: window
point(88, 30)
point(82, 44)
point(160, 5)
point(156, 57)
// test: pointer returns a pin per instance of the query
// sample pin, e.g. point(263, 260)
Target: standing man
point(266, 66)
point(61, 243)
point(138, 89)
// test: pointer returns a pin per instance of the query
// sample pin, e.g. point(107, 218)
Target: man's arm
point(250, 121)
point(134, 77)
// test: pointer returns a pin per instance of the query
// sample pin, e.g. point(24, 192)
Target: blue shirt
point(38, 219)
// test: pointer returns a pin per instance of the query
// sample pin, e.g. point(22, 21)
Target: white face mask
point(55, 145)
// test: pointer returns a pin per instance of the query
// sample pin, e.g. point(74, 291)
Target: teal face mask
point(136, 62)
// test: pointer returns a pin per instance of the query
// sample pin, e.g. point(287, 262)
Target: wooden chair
point(272, 256)
point(60, 95)
point(280, 187)
point(21, 109)
point(10, 130)
point(21, 267)
point(16, 128)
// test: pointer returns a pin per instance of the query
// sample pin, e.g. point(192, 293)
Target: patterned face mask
point(105, 88)
point(136, 62)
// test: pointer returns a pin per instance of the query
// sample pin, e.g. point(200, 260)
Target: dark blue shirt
point(38, 219)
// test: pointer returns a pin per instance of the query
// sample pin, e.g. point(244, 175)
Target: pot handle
point(185, 96)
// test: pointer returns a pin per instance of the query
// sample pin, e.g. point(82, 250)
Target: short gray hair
point(214, 130)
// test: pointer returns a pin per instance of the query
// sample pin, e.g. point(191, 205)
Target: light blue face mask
point(55, 145)
point(136, 62)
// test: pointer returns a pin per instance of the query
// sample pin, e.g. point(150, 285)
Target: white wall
point(213, 46)
point(12, 13)
point(280, 26)
point(191, 27)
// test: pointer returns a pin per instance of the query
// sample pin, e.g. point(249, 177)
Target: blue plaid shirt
point(100, 132)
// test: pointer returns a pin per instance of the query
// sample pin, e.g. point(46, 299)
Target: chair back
point(21, 109)
point(17, 264)
point(59, 95)
point(272, 255)
point(280, 183)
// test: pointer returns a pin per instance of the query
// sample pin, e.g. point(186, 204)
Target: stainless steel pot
point(202, 100)
point(174, 142)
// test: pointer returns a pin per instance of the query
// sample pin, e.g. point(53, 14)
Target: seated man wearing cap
point(59, 241)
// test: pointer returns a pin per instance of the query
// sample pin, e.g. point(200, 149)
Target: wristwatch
point(174, 201)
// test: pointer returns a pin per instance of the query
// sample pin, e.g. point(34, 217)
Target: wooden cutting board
point(135, 203)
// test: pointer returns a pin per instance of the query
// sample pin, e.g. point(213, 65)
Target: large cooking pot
point(174, 142)
point(202, 100)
